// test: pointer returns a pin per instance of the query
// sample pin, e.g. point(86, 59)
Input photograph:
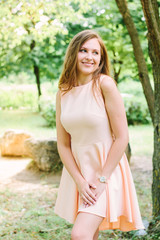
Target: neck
point(82, 79)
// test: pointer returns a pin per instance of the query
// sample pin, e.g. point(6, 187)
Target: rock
point(44, 153)
point(142, 232)
point(12, 143)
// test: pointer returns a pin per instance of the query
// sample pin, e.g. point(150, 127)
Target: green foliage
point(135, 104)
point(38, 33)
point(32, 27)
point(20, 78)
point(15, 97)
point(107, 20)
point(137, 113)
point(48, 111)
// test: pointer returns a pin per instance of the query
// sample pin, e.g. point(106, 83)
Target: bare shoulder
point(58, 95)
point(107, 84)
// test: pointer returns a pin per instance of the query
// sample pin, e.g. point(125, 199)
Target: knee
point(76, 234)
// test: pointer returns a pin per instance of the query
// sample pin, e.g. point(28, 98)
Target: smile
point(87, 63)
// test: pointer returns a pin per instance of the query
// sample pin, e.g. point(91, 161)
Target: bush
point(135, 104)
point(48, 110)
point(137, 112)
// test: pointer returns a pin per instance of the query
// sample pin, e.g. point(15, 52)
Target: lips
point(88, 63)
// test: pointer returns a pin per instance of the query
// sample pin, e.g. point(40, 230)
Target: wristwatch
point(102, 179)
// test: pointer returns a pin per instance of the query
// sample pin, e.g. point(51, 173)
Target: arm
point(64, 149)
point(118, 122)
point(116, 113)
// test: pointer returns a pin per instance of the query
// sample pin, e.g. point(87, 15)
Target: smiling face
point(89, 57)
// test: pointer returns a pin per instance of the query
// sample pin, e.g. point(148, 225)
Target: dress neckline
point(79, 86)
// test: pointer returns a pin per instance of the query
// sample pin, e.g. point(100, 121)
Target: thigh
point(86, 224)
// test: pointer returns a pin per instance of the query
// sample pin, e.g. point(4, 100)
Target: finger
point(91, 198)
point(91, 195)
point(88, 200)
point(92, 185)
point(85, 204)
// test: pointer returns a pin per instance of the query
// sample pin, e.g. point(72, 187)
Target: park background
point(33, 40)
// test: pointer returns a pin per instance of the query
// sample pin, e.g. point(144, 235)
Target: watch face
point(102, 179)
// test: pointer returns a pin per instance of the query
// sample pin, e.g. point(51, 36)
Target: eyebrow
point(89, 48)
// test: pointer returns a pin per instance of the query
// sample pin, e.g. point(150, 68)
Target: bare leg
point(96, 235)
point(86, 226)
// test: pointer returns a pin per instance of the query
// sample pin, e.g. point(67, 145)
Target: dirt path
point(14, 173)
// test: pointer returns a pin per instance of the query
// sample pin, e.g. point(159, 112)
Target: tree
point(107, 20)
point(32, 27)
point(138, 53)
point(151, 13)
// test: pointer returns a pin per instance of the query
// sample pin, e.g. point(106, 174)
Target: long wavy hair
point(68, 78)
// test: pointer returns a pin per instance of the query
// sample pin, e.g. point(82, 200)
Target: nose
point(89, 56)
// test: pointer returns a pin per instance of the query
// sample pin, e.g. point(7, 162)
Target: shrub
point(48, 110)
point(135, 104)
point(137, 112)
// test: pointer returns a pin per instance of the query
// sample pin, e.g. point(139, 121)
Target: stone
point(12, 142)
point(44, 153)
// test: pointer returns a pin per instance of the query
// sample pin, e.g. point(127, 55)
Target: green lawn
point(141, 136)
point(141, 140)
point(31, 122)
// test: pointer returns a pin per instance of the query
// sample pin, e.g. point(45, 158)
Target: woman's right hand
point(86, 193)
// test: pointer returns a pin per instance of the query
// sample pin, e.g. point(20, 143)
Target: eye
point(82, 50)
point(95, 52)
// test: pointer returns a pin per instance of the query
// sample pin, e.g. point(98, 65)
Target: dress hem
point(134, 228)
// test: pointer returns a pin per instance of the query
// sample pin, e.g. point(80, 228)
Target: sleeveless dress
point(85, 118)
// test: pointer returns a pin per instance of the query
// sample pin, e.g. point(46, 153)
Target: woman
point(96, 190)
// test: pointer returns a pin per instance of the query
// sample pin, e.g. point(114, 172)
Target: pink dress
point(85, 119)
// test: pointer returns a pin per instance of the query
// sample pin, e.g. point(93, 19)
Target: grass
point(141, 140)
point(30, 215)
point(141, 136)
point(31, 122)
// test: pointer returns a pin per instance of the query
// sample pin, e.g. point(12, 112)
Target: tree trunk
point(156, 155)
point(36, 71)
point(150, 9)
point(138, 53)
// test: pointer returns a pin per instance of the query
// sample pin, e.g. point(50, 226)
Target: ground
point(27, 199)
point(15, 175)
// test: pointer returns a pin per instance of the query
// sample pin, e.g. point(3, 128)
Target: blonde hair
point(68, 76)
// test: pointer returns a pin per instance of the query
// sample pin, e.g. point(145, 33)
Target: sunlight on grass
point(141, 136)
point(31, 122)
point(141, 140)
